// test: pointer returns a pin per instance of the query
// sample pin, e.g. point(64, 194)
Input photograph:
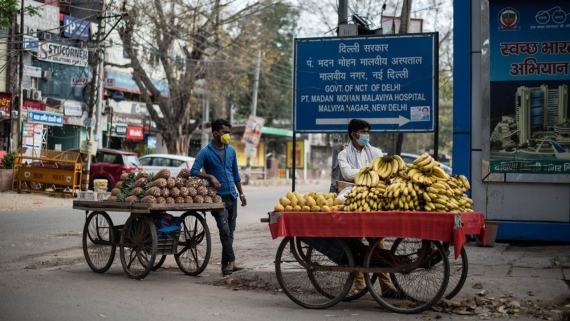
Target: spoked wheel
point(417, 289)
point(99, 241)
point(159, 263)
point(457, 270)
point(302, 281)
point(194, 245)
point(138, 246)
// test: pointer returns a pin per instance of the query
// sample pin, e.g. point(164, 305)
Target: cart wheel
point(138, 250)
point(158, 264)
point(418, 289)
point(298, 282)
point(457, 270)
point(99, 241)
point(195, 244)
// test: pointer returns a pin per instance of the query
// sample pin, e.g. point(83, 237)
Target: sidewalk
point(503, 281)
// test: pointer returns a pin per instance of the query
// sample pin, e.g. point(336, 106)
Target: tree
point(205, 51)
point(10, 8)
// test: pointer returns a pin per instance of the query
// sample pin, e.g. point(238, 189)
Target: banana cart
point(140, 242)
point(408, 260)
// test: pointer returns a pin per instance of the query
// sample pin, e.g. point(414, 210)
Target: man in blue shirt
point(219, 161)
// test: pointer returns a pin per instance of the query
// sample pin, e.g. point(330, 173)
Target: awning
point(277, 131)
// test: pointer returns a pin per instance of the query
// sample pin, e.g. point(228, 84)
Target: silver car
point(174, 163)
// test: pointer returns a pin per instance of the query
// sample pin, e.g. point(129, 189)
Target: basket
point(103, 196)
point(167, 242)
point(86, 196)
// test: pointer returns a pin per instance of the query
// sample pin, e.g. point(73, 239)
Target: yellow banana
point(421, 158)
point(465, 181)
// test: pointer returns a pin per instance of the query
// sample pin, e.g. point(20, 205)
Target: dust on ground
point(12, 200)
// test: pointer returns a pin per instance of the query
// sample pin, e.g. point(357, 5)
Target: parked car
point(109, 164)
point(410, 158)
point(174, 163)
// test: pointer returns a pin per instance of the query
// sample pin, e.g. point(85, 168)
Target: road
point(43, 275)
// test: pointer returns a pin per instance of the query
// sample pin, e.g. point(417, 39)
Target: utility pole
point(342, 12)
point(253, 110)
point(16, 140)
point(93, 99)
point(398, 140)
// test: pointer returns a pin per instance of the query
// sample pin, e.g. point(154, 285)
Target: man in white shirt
point(357, 154)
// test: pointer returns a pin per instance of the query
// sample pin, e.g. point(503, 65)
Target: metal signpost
point(391, 81)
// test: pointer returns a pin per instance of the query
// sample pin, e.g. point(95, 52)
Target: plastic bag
point(341, 194)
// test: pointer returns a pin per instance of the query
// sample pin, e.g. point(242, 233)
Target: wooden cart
point(420, 254)
point(140, 242)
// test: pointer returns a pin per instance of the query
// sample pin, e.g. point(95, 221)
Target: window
point(146, 161)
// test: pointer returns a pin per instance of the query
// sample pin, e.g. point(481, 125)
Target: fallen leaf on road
point(482, 293)
point(477, 285)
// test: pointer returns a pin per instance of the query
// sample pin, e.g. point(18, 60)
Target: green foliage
point(10, 8)
point(8, 160)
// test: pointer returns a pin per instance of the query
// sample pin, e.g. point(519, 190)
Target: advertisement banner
point(32, 135)
point(257, 160)
point(63, 54)
point(252, 131)
point(299, 154)
point(5, 101)
point(48, 18)
point(32, 71)
point(529, 77)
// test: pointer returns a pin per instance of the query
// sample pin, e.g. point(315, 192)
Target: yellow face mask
point(225, 139)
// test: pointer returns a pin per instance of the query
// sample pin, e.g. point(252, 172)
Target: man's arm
point(237, 181)
point(197, 167)
point(348, 172)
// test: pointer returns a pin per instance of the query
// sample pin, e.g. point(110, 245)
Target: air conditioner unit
point(45, 36)
point(46, 74)
point(36, 95)
point(27, 93)
point(14, 113)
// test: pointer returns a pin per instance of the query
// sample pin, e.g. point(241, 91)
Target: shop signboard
point(299, 154)
point(32, 71)
point(44, 117)
point(73, 108)
point(30, 43)
point(75, 28)
point(5, 101)
point(375, 78)
point(256, 160)
point(135, 133)
point(119, 130)
point(63, 54)
point(529, 47)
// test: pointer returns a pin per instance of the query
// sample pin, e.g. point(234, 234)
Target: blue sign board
point(390, 81)
point(75, 28)
point(44, 117)
point(126, 83)
point(119, 130)
point(151, 142)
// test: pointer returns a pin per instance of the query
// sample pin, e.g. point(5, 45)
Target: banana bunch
point(388, 166)
point(402, 195)
point(367, 176)
point(364, 198)
point(447, 197)
point(426, 170)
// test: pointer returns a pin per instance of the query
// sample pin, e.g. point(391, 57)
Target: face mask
point(225, 139)
point(363, 139)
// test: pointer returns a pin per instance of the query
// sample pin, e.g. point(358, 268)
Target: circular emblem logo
point(508, 18)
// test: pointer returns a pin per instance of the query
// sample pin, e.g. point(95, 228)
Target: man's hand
point(215, 182)
point(243, 200)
